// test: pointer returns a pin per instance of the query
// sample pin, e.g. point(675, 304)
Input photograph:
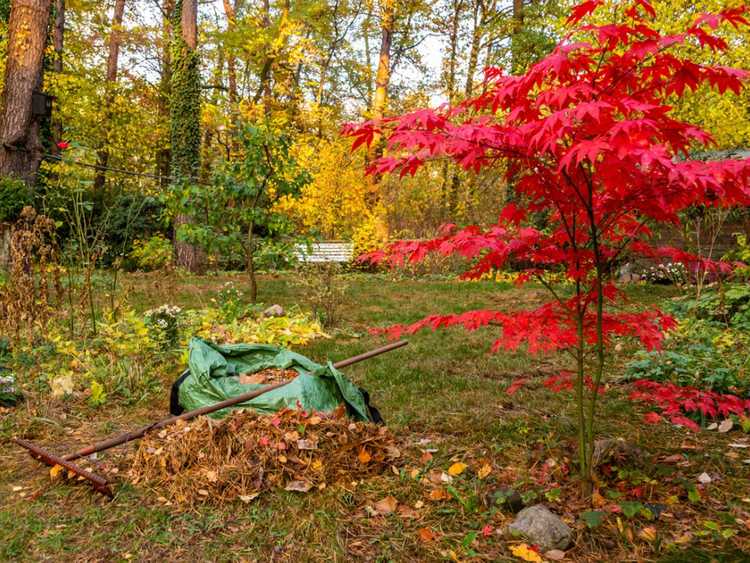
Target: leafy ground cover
point(669, 494)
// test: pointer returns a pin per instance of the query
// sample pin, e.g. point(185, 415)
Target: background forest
point(145, 128)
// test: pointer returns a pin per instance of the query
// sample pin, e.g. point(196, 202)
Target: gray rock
point(542, 528)
point(274, 311)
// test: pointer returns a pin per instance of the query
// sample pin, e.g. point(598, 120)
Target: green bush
point(152, 254)
point(704, 351)
point(14, 196)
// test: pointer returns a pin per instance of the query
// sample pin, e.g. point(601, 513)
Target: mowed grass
point(445, 387)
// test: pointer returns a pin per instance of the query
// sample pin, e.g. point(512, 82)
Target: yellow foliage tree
point(333, 204)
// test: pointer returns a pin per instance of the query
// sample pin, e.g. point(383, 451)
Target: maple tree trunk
point(115, 38)
point(450, 90)
point(58, 39)
point(21, 151)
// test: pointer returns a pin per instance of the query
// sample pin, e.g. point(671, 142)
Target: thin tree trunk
point(380, 97)
point(115, 38)
point(230, 10)
point(20, 150)
point(514, 41)
point(476, 38)
point(58, 39)
point(450, 90)
point(164, 154)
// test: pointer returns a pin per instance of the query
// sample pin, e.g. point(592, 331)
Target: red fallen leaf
point(264, 441)
point(651, 418)
point(426, 534)
point(487, 531)
point(62, 145)
point(276, 421)
point(685, 421)
point(515, 385)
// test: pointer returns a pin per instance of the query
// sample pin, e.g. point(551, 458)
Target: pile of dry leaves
point(206, 460)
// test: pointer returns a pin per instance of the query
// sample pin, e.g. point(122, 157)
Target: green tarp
point(214, 370)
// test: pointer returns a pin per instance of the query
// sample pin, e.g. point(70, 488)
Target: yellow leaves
point(648, 533)
point(484, 471)
point(439, 494)
point(56, 472)
point(456, 469)
point(525, 553)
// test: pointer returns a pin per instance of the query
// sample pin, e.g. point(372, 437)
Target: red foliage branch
point(676, 401)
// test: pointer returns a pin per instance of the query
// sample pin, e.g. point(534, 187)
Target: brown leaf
point(439, 494)
point(406, 511)
point(726, 425)
point(555, 555)
point(298, 486)
point(598, 500)
point(426, 457)
point(648, 533)
point(307, 445)
point(387, 505)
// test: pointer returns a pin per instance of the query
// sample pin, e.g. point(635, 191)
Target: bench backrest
point(332, 251)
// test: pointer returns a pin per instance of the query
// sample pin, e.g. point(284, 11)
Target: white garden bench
point(322, 252)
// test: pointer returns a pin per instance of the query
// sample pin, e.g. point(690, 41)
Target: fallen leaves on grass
point(387, 505)
point(247, 453)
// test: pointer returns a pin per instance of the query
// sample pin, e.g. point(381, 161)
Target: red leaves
point(582, 10)
point(676, 401)
point(62, 145)
point(652, 418)
point(515, 385)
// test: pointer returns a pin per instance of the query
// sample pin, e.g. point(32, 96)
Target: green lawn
point(445, 387)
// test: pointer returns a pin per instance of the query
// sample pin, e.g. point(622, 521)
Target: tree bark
point(21, 150)
point(230, 10)
point(115, 39)
point(514, 40)
point(380, 97)
point(164, 154)
point(58, 39)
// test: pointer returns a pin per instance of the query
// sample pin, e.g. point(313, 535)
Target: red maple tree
point(588, 139)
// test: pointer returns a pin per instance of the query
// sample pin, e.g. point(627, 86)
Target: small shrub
point(152, 254)
point(325, 290)
point(672, 273)
point(164, 325)
point(14, 196)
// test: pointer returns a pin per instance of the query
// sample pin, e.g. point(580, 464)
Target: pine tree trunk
point(115, 38)
point(21, 150)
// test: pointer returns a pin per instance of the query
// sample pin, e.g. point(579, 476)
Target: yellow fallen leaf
point(456, 469)
point(648, 533)
point(484, 471)
point(317, 465)
point(523, 551)
point(597, 500)
point(56, 471)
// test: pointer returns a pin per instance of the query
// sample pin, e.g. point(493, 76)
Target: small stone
point(542, 528)
point(274, 311)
